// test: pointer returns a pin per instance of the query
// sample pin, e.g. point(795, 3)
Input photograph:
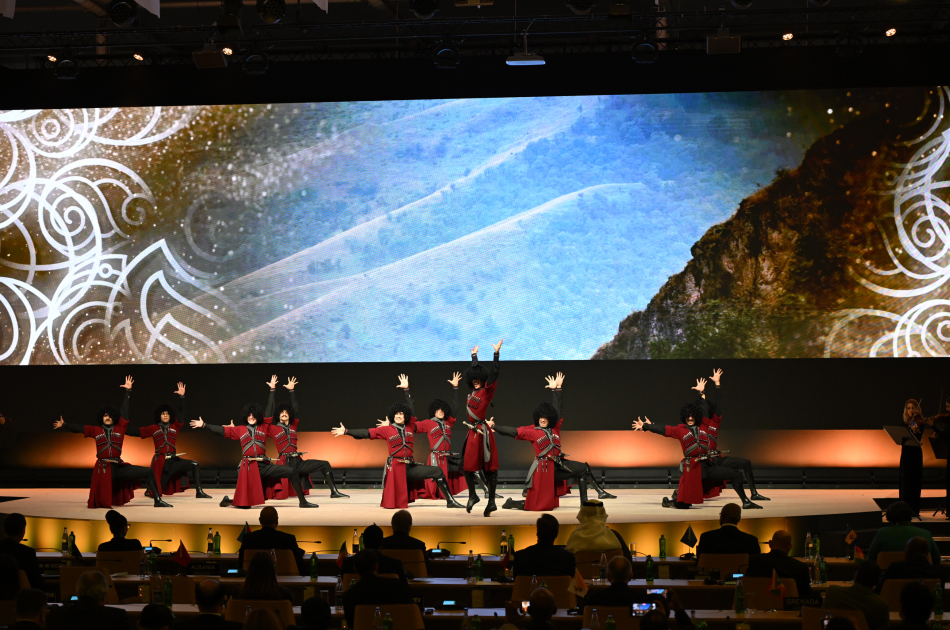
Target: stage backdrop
point(723, 225)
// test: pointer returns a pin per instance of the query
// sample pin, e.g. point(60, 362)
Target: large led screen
point(721, 225)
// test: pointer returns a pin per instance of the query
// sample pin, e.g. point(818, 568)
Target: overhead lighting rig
point(424, 9)
point(446, 55)
point(123, 13)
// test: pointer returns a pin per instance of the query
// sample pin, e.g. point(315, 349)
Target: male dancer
point(285, 438)
point(479, 453)
point(697, 467)
point(255, 465)
point(549, 469)
point(439, 430)
point(171, 470)
point(113, 481)
point(401, 475)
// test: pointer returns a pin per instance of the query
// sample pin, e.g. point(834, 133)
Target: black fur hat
point(691, 409)
point(477, 372)
point(113, 412)
point(545, 410)
point(281, 408)
point(252, 409)
point(162, 408)
point(402, 408)
point(437, 404)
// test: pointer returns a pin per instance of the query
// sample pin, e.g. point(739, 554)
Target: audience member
point(840, 623)
point(156, 617)
point(762, 565)
point(728, 538)
point(860, 596)
point(402, 523)
point(89, 612)
point(655, 620)
point(9, 578)
point(261, 580)
point(262, 619)
point(541, 608)
point(316, 614)
point(372, 539)
point(916, 564)
point(119, 526)
point(592, 533)
point(619, 593)
point(31, 609)
point(14, 526)
point(917, 602)
point(210, 598)
point(894, 537)
point(372, 589)
point(269, 537)
point(544, 558)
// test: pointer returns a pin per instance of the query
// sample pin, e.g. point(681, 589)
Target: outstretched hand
point(700, 385)
point(197, 424)
point(559, 379)
point(338, 431)
point(716, 375)
point(456, 377)
point(58, 423)
point(272, 383)
point(638, 423)
point(497, 346)
point(491, 423)
point(403, 382)
point(475, 350)
point(291, 383)
point(382, 423)
point(128, 383)
point(552, 382)
point(181, 389)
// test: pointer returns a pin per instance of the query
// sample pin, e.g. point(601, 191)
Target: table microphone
point(444, 552)
point(318, 542)
point(157, 549)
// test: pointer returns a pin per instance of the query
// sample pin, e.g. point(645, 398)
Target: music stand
point(941, 447)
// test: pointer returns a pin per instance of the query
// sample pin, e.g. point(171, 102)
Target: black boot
point(298, 488)
point(746, 503)
point(480, 478)
point(199, 493)
point(601, 493)
point(582, 488)
point(226, 501)
point(673, 503)
point(334, 493)
point(492, 482)
point(472, 492)
point(150, 484)
point(511, 504)
point(755, 493)
point(444, 489)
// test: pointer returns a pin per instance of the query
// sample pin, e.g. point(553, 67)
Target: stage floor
point(362, 508)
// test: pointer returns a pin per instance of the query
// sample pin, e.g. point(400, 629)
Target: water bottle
point(65, 542)
point(476, 623)
point(157, 594)
point(649, 563)
point(465, 623)
point(143, 565)
point(356, 541)
point(478, 569)
point(534, 582)
point(511, 545)
point(662, 547)
point(72, 542)
point(938, 602)
point(739, 607)
point(816, 546)
point(823, 571)
point(544, 583)
point(362, 544)
point(504, 544)
point(352, 583)
point(701, 624)
point(808, 545)
point(377, 620)
point(338, 599)
point(168, 592)
point(217, 543)
point(594, 621)
point(153, 563)
point(610, 624)
point(388, 622)
point(470, 575)
point(603, 568)
point(210, 542)
point(314, 572)
point(816, 570)
point(247, 613)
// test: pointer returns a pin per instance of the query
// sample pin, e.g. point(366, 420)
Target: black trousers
point(275, 471)
point(724, 473)
point(912, 475)
point(307, 467)
point(418, 472)
point(131, 472)
point(175, 467)
point(575, 470)
point(738, 463)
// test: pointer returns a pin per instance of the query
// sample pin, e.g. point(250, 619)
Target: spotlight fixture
point(424, 9)
point(525, 58)
point(742, 4)
point(271, 11)
point(53, 58)
point(891, 32)
point(138, 55)
point(65, 66)
point(619, 12)
point(123, 12)
point(227, 50)
point(580, 7)
point(255, 62)
point(644, 52)
point(446, 55)
point(230, 18)
point(787, 35)
point(849, 45)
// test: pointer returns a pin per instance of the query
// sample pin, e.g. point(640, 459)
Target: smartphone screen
point(658, 591)
point(638, 610)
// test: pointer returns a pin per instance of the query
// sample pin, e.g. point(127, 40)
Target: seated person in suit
point(860, 596)
point(261, 580)
point(119, 526)
point(210, 597)
point(917, 603)
point(728, 538)
point(9, 578)
point(14, 526)
point(592, 533)
point(269, 537)
point(156, 617)
point(89, 612)
point(619, 593)
point(31, 609)
point(373, 538)
point(659, 619)
point(916, 564)
point(761, 565)
point(402, 523)
point(541, 608)
point(371, 589)
point(544, 558)
point(316, 614)
point(894, 536)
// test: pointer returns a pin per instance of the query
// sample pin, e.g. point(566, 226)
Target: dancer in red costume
point(113, 481)
point(479, 453)
point(438, 428)
point(284, 433)
point(171, 470)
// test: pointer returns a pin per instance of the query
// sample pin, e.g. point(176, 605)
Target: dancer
point(549, 468)
point(285, 438)
point(401, 474)
point(113, 481)
point(172, 471)
point(479, 454)
point(697, 467)
point(255, 465)
point(439, 430)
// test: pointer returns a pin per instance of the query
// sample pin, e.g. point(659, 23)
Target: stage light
point(52, 58)
point(230, 18)
point(123, 12)
point(66, 66)
point(138, 55)
point(227, 50)
point(891, 32)
point(271, 11)
point(525, 58)
point(255, 63)
point(424, 9)
point(787, 35)
point(446, 55)
point(645, 52)
point(580, 7)
point(742, 4)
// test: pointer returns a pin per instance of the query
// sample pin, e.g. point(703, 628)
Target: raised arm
point(359, 434)
point(715, 407)
point(495, 363)
point(454, 400)
point(72, 427)
point(124, 406)
point(646, 425)
point(269, 410)
point(182, 409)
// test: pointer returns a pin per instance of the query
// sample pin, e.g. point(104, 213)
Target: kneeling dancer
point(549, 468)
point(401, 475)
point(255, 465)
point(113, 481)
